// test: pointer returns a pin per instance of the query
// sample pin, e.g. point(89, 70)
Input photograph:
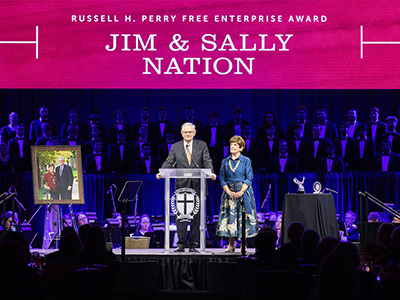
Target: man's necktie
point(188, 155)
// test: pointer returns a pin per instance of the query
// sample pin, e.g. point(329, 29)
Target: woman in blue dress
point(236, 178)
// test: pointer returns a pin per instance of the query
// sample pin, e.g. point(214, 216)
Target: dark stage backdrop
point(255, 103)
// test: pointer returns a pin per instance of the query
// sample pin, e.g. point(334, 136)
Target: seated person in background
point(294, 232)
point(387, 160)
point(331, 163)
point(145, 229)
point(351, 230)
point(54, 141)
point(68, 221)
point(81, 219)
point(147, 164)
point(98, 161)
point(283, 162)
point(8, 221)
point(373, 217)
point(384, 233)
point(45, 139)
point(7, 162)
point(278, 227)
point(265, 243)
point(72, 139)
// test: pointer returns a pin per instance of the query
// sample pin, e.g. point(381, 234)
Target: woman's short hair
point(51, 165)
point(238, 140)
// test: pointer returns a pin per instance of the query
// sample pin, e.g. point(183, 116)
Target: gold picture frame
point(52, 168)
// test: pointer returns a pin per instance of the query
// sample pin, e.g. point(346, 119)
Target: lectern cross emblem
point(185, 204)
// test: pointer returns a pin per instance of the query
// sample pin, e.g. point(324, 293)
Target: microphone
point(329, 190)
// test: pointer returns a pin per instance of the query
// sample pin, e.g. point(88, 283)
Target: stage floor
point(161, 252)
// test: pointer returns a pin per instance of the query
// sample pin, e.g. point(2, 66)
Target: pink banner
point(200, 44)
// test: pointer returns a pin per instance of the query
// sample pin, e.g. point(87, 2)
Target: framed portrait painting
point(57, 175)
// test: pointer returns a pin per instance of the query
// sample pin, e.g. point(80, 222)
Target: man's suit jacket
point(24, 164)
point(253, 153)
point(136, 149)
point(231, 126)
point(81, 131)
point(64, 180)
point(163, 152)
point(291, 164)
point(395, 142)
point(177, 159)
point(380, 130)
point(337, 165)
point(197, 123)
point(394, 162)
point(369, 152)
point(42, 141)
point(140, 166)
point(331, 132)
point(158, 139)
point(265, 151)
point(304, 155)
point(307, 130)
point(112, 133)
point(321, 152)
point(35, 130)
point(90, 164)
point(206, 134)
point(127, 165)
point(66, 142)
point(87, 148)
point(350, 158)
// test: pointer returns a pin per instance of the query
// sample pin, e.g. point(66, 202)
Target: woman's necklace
point(237, 165)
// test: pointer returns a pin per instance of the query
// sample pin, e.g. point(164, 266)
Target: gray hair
point(188, 124)
point(60, 158)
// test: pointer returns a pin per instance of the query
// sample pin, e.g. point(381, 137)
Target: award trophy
point(300, 190)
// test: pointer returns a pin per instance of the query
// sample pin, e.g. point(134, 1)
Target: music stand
point(128, 194)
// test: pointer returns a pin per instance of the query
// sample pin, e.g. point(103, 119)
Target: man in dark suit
point(147, 164)
point(72, 138)
point(165, 148)
point(301, 119)
point(161, 126)
point(375, 127)
point(144, 122)
point(328, 130)
point(20, 149)
point(97, 162)
point(237, 124)
point(365, 148)
point(300, 148)
point(88, 146)
point(136, 144)
point(284, 162)
point(188, 154)
point(121, 158)
point(65, 179)
point(331, 163)
point(222, 149)
point(318, 146)
point(252, 147)
point(352, 121)
point(268, 147)
point(45, 139)
point(392, 135)
point(94, 120)
point(189, 118)
point(73, 120)
point(120, 124)
point(36, 126)
point(346, 147)
point(387, 160)
point(212, 131)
